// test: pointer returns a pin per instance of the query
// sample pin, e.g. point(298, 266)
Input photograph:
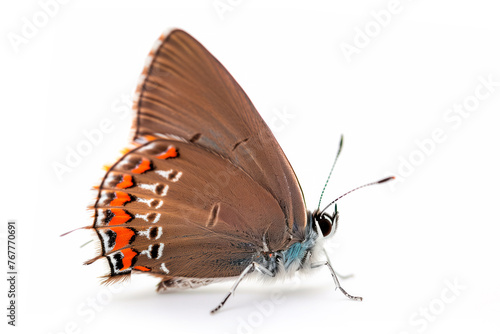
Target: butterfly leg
point(344, 276)
point(253, 266)
point(335, 279)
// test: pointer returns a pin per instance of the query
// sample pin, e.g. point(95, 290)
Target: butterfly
point(205, 192)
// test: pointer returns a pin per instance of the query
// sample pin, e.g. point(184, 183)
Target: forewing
point(172, 208)
point(186, 92)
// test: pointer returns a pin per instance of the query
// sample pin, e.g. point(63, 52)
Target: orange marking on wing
point(141, 268)
point(128, 256)
point(123, 237)
point(170, 153)
point(126, 182)
point(120, 199)
point(106, 167)
point(125, 150)
point(142, 167)
point(120, 217)
point(149, 137)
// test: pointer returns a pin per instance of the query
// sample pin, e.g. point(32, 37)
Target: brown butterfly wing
point(187, 93)
point(209, 189)
point(173, 209)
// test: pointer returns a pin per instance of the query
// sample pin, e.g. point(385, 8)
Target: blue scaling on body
point(298, 251)
point(294, 257)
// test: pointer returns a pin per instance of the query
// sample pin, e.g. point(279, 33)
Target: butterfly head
point(325, 224)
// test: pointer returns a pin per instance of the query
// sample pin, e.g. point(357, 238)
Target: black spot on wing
point(172, 175)
point(153, 232)
point(195, 138)
point(239, 143)
point(212, 218)
point(159, 189)
point(111, 238)
point(154, 251)
point(108, 215)
point(118, 257)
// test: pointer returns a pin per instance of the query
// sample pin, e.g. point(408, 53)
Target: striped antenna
point(331, 170)
point(365, 185)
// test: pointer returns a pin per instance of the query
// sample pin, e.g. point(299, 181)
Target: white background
point(406, 243)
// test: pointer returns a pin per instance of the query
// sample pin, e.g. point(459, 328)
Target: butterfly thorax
point(297, 256)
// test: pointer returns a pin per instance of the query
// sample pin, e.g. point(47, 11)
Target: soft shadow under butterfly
point(205, 193)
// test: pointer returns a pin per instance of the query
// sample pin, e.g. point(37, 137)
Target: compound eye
point(325, 224)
